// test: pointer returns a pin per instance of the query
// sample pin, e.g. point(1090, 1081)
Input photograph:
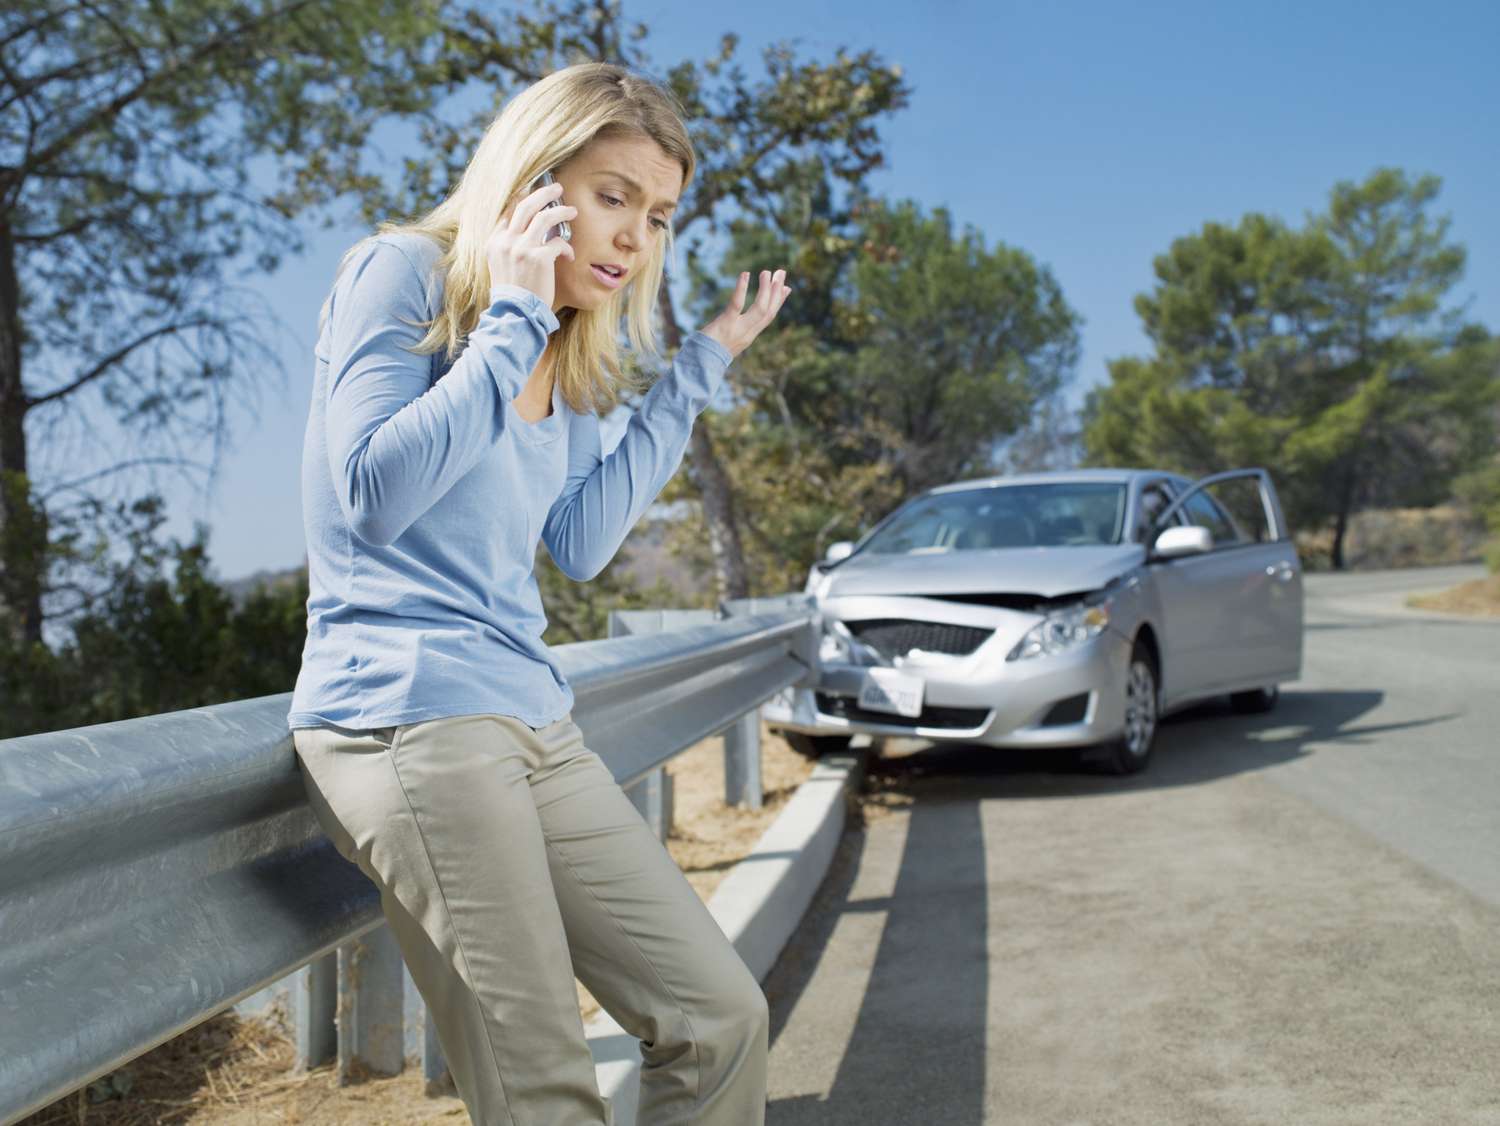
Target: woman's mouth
point(614, 281)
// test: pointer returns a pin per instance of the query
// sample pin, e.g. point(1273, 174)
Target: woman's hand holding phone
point(517, 249)
point(736, 329)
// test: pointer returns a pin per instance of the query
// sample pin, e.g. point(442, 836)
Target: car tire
point(1256, 700)
point(1130, 752)
point(815, 746)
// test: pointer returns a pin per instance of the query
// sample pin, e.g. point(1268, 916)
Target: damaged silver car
point(1068, 609)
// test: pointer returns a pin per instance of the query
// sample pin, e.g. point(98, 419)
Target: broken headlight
point(839, 646)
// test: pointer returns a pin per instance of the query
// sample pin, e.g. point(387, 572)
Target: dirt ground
point(1481, 597)
point(234, 1071)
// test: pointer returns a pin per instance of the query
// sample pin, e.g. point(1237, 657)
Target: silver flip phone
point(562, 227)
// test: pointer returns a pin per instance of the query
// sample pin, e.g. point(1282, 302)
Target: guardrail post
point(742, 776)
point(742, 783)
point(313, 1011)
point(304, 1004)
point(652, 795)
point(370, 1004)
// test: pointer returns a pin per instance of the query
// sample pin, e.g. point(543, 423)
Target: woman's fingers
point(737, 302)
point(548, 217)
point(530, 204)
point(767, 286)
point(738, 325)
point(770, 292)
point(771, 297)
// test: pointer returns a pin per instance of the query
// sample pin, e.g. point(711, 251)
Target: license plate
point(886, 690)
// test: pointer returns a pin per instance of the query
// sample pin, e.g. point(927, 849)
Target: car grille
point(895, 637)
point(932, 716)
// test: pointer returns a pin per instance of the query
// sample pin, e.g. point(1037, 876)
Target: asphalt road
point(1290, 918)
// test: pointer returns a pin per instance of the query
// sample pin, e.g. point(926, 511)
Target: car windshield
point(1065, 514)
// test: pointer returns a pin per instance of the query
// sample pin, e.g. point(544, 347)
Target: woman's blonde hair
point(541, 128)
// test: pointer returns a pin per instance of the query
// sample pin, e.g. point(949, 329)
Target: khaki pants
point(508, 861)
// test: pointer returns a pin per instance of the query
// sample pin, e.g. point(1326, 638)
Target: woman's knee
point(721, 1021)
point(740, 1009)
point(755, 1009)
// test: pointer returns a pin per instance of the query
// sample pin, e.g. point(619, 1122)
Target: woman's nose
point(633, 235)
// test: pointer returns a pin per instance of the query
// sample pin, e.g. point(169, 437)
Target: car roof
point(1054, 476)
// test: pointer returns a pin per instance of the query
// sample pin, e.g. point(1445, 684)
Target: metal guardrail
point(155, 871)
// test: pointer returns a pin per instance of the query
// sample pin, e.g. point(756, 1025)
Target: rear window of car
point(1066, 514)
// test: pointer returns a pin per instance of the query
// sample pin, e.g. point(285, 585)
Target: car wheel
point(813, 746)
point(1130, 752)
point(1255, 700)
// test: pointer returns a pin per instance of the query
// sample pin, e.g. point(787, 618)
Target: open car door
point(1240, 603)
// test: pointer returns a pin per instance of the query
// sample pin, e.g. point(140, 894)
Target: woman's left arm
point(603, 497)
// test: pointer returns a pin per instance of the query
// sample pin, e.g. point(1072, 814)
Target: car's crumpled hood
point(1044, 571)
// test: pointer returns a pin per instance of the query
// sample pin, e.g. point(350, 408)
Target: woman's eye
point(613, 201)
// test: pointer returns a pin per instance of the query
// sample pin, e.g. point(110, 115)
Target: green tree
point(1323, 353)
point(127, 216)
point(580, 611)
point(907, 353)
point(956, 344)
point(154, 644)
point(804, 469)
point(1479, 490)
point(1237, 321)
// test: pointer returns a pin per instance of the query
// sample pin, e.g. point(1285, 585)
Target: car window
point(1205, 512)
point(1154, 498)
point(1078, 513)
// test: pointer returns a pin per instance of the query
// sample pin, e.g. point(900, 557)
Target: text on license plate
point(886, 690)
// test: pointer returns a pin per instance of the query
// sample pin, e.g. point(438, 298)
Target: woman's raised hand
point(515, 250)
point(735, 329)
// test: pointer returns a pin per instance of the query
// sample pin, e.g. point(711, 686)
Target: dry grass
point(1382, 538)
point(1480, 597)
point(233, 1070)
point(225, 1063)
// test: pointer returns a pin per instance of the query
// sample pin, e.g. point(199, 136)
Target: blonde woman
point(462, 365)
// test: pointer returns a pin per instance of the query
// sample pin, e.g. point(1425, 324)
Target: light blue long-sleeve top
point(424, 493)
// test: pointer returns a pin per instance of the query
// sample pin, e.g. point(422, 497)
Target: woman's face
point(625, 189)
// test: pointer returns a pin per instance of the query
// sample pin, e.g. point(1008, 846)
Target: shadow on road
point(1198, 744)
point(917, 1053)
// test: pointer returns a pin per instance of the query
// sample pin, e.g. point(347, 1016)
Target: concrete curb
point(758, 906)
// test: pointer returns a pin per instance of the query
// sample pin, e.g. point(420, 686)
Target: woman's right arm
point(396, 445)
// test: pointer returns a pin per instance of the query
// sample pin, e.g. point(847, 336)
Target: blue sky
point(1088, 134)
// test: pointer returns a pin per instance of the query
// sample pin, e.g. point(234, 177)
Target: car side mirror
point(1182, 541)
point(837, 551)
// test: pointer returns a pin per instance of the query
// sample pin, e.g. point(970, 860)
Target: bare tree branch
point(104, 115)
point(78, 482)
point(115, 357)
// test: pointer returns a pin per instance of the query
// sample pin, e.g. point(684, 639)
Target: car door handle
point(1283, 571)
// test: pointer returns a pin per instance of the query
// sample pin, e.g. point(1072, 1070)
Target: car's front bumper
point(1071, 699)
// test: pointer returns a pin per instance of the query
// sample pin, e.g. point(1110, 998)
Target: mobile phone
point(562, 228)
